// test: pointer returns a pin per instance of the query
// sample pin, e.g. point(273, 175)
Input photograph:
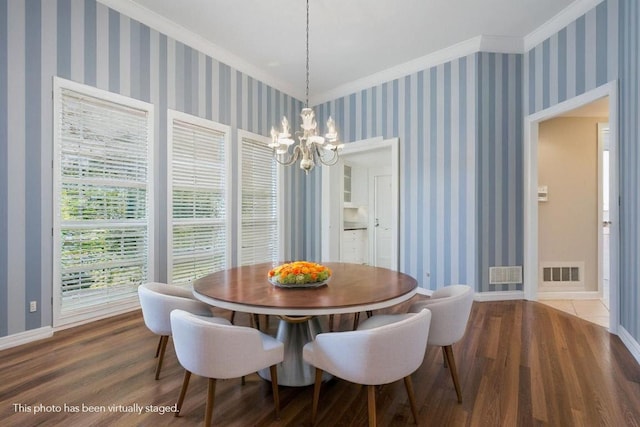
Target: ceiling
point(349, 40)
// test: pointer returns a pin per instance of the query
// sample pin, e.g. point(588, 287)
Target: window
point(258, 173)
point(103, 229)
point(198, 157)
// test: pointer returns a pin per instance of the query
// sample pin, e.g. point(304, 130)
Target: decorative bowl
point(299, 286)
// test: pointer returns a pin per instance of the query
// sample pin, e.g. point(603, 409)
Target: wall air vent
point(505, 275)
point(562, 275)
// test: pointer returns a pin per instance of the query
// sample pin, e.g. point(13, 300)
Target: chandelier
point(313, 148)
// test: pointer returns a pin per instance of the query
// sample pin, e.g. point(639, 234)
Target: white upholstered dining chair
point(157, 301)
point(221, 351)
point(371, 356)
point(450, 307)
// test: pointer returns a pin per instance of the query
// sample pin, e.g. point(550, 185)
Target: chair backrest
point(214, 349)
point(158, 299)
point(450, 307)
point(378, 355)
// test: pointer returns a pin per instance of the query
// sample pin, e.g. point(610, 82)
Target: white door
point(383, 217)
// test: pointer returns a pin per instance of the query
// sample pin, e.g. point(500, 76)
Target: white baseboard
point(498, 296)
point(32, 335)
point(568, 295)
point(485, 296)
point(632, 345)
point(20, 338)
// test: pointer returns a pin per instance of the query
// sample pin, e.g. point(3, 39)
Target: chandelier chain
point(307, 91)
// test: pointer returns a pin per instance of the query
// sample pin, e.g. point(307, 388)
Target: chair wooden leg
point(158, 348)
point(356, 319)
point(454, 372)
point(316, 396)
point(254, 321)
point(412, 397)
point(331, 316)
point(371, 402)
point(233, 317)
point(163, 347)
point(444, 357)
point(369, 313)
point(183, 391)
point(274, 385)
point(208, 415)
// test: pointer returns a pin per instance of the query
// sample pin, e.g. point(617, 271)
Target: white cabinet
point(347, 184)
point(356, 193)
point(355, 246)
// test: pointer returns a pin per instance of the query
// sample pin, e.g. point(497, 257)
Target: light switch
point(543, 193)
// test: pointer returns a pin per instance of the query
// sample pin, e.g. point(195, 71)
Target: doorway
point(360, 205)
point(572, 209)
point(534, 190)
point(604, 171)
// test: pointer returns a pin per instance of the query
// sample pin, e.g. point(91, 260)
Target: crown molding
point(482, 43)
point(436, 58)
point(558, 22)
point(473, 45)
point(171, 29)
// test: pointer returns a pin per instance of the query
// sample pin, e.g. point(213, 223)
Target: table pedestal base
point(294, 371)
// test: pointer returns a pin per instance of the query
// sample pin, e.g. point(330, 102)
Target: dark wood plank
point(520, 363)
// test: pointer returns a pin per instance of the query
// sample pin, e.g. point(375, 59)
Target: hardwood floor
point(520, 364)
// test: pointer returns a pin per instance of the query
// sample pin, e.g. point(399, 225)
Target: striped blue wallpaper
point(499, 178)
point(460, 130)
point(433, 112)
point(629, 138)
point(506, 88)
point(580, 57)
point(87, 42)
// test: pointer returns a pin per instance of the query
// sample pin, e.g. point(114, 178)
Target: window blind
point(102, 193)
point(199, 239)
point(258, 206)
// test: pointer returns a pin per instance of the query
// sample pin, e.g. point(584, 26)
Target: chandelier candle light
point(314, 148)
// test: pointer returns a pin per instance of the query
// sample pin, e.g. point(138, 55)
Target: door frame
point(331, 212)
point(531, 124)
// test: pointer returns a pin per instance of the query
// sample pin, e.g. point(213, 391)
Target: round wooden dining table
point(352, 288)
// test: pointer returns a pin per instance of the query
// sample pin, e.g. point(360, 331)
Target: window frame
point(173, 115)
point(130, 302)
point(242, 135)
